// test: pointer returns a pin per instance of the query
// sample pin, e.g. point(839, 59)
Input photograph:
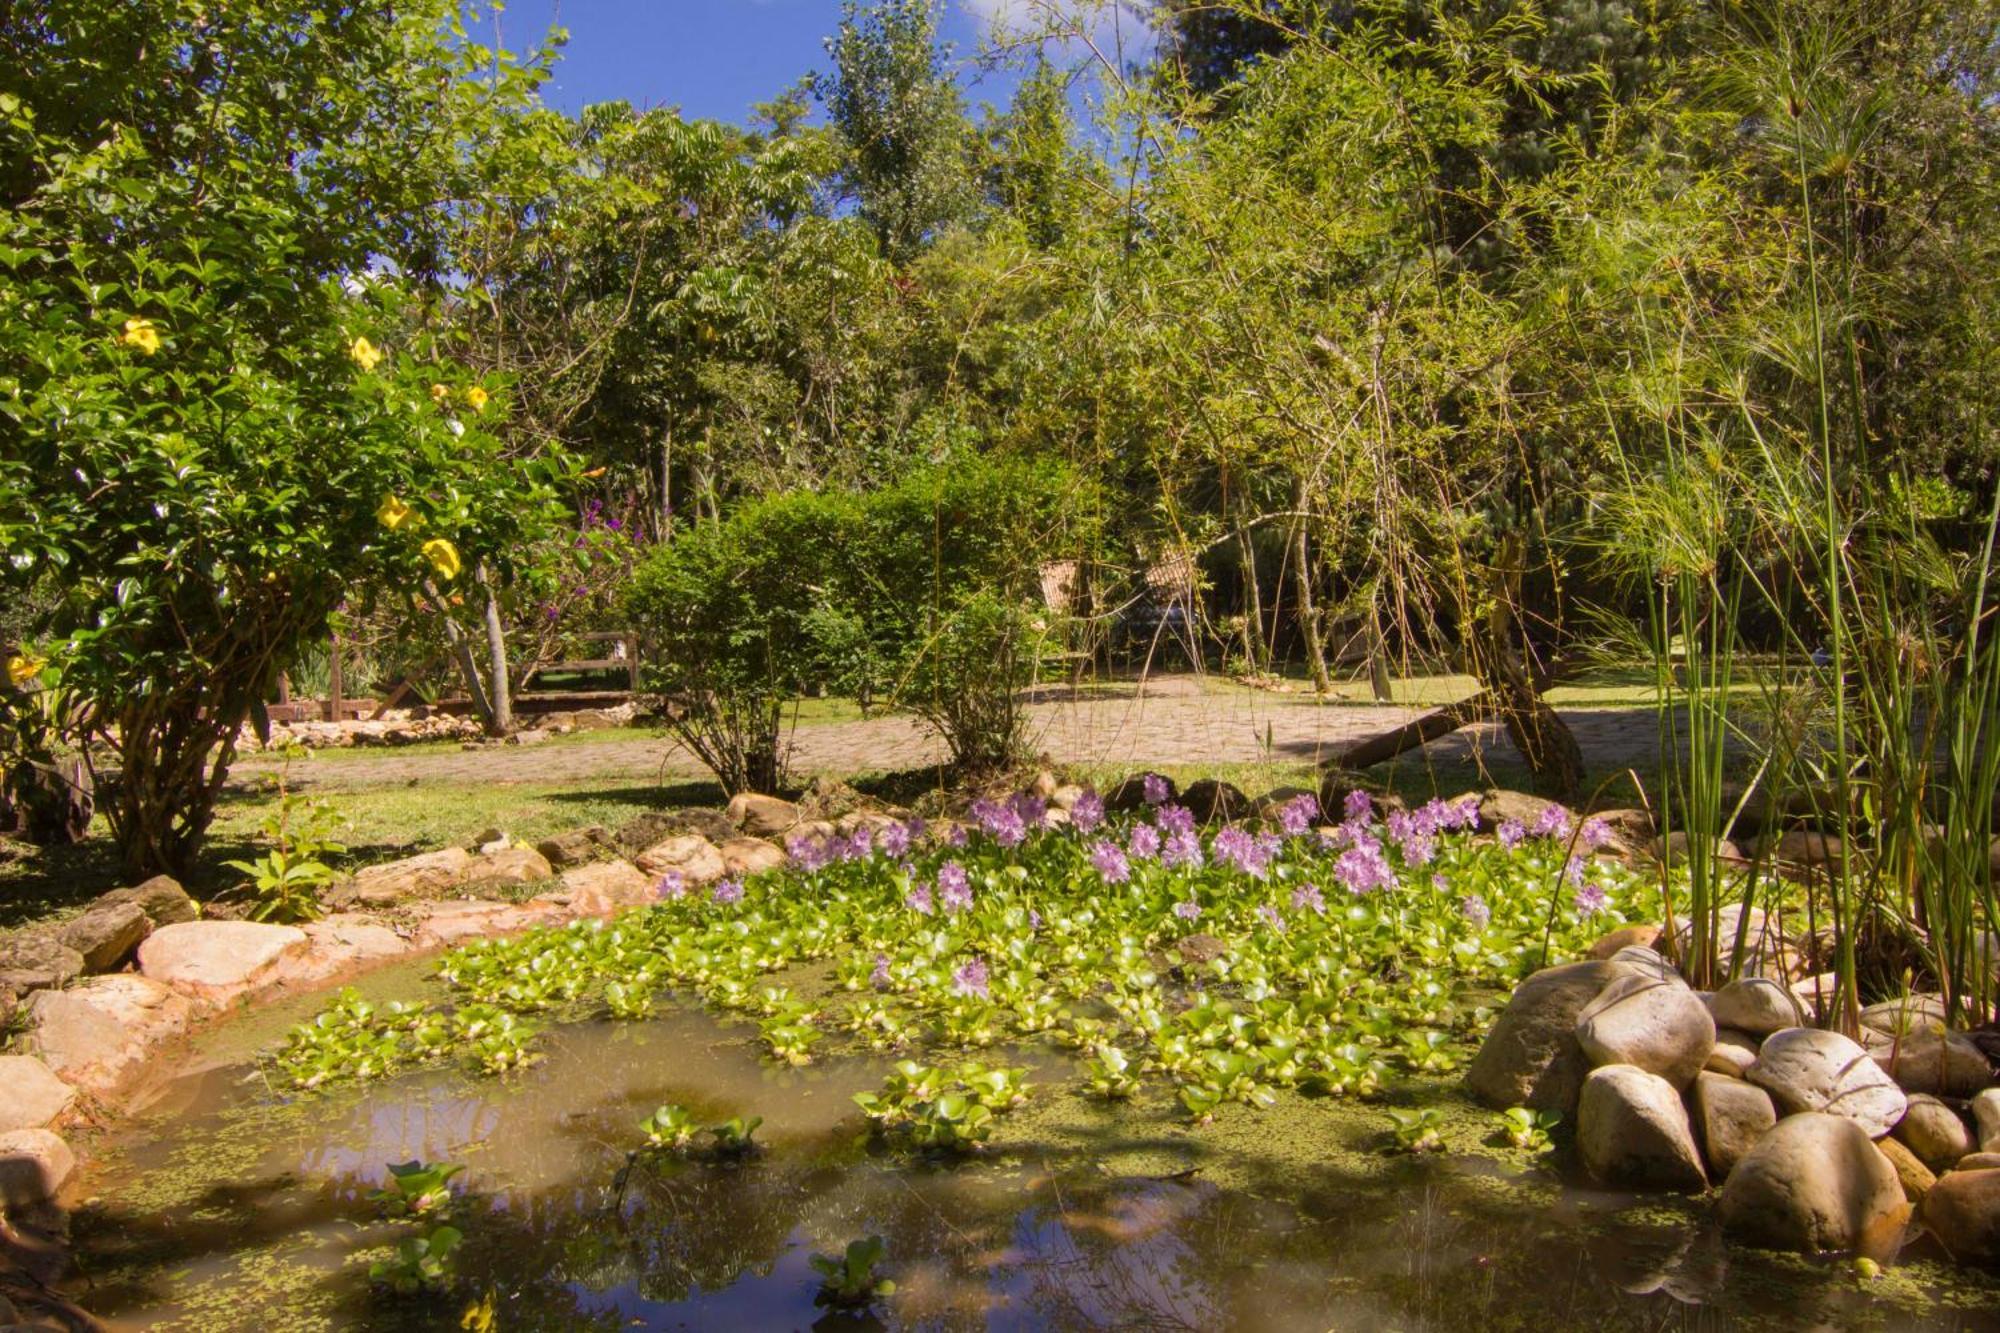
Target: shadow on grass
point(648, 796)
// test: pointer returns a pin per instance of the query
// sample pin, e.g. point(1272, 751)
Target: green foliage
point(285, 881)
point(849, 1279)
point(1527, 1129)
point(669, 1129)
point(733, 1136)
point(1418, 1131)
point(416, 1190)
point(421, 1263)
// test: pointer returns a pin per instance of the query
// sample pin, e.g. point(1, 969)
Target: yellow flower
point(366, 354)
point(439, 393)
point(443, 557)
point(24, 667)
point(392, 513)
point(477, 397)
point(141, 334)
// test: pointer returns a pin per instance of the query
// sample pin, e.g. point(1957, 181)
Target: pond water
point(229, 1207)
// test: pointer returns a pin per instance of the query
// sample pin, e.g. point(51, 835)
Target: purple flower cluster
point(1004, 823)
point(1183, 849)
point(1511, 833)
point(879, 978)
point(1358, 808)
point(1552, 822)
point(1594, 834)
point(812, 853)
point(954, 887)
point(1307, 898)
point(1252, 855)
point(729, 890)
point(672, 886)
point(1296, 816)
point(1476, 911)
point(1088, 813)
point(1590, 900)
point(1363, 868)
point(1270, 917)
point(1145, 842)
point(918, 900)
point(1156, 789)
point(1174, 819)
point(1110, 861)
point(1188, 910)
point(970, 979)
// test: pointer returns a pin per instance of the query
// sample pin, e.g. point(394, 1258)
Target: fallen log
point(1386, 745)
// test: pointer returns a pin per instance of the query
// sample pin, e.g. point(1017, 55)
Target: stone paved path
point(1173, 722)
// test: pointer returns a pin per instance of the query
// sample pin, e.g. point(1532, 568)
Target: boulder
point(1934, 1132)
point(1816, 992)
point(1764, 952)
point(1815, 1182)
point(1673, 849)
point(99, 1036)
point(161, 898)
point(1729, 1117)
point(37, 960)
point(341, 945)
point(1734, 1053)
point(454, 921)
point(1213, 801)
point(34, 1166)
point(1657, 1025)
point(691, 856)
point(215, 962)
point(762, 816)
point(1756, 1005)
point(604, 887)
point(30, 1095)
point(1985, 1109)
point(1068, 794)
point(509, 865)
point(1807, 847)
point(430, 875)
point(1963, 1211)
point(1805, 1069)
point(1632, 1131)
point(1977, 1161)
point(106, 934)
point(1531, 1057)
point(1916, 1178)
point(1498, 806)
point(1625, 937)
point(1916, 1012)
point(1130, 794)
point(1944, 1064)
point(576, 847)
point(744, 857)
point(1647, 962)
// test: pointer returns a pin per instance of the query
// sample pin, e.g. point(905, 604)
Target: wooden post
point(333, 684)
point(284, 688)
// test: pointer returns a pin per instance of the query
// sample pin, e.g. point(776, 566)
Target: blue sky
point(712, 58)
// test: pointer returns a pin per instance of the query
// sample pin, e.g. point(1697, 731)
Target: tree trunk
point(500, 691)
point(1379, 683)
point(1302, 578)
point(1386, 745)
point(468, 665)
point(1499, 660)
point(1253, 602)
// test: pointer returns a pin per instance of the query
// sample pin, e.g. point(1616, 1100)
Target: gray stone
point(37, 960)
point(216, 962)
point(1763, 943)
point(1531, 1057)
point(1815, 1182)
point(1756, 1005)
point(1805, 1069)
point(1916, 1012)
point(1632, 1131)
point(1963, 1211)
point(1734, 1053)
point(1498, 806)
point(1946, 1064)
point(106, 934)
point(1729, 1117)
point(161, 898)
point(1807, 847)
point(1985, 1109)
point(1934, 1132)
point(34, 1166)
point(1977, 1161)
point(762, 816)
point(30, 1096)
point(1674, 848)
point(1658, 1025)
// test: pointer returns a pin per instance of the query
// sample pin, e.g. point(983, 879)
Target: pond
point(235, 1205)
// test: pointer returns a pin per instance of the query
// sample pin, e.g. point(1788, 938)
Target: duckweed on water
point(1327, 960)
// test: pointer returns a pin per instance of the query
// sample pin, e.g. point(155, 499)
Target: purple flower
point(1110, 862)
point(1188, 910)
point(955, 896)
point(672, 885)
point(1476, 911)
point(1002, 823)
point(1418, 849)
point(1234, 847)
point(1034, 919)
point(957, 836)
point(1439, 882)
point(952, 879)
point(860, 844)
point(918, 899)
point(1088, 812)
point(970, 979)
point(1269, 916)
point(1157, 790)
point(728, 890)
point(1573, 869)
point(896, 839)
point(810, 853)
point(1145, 842)
point(1307, 898)
point(1296, 815)
point(1174, 819)
point(1363, 868)
point(879, 978)
point(1183, 849)
point(1589, 900)
point(1359, 807)
point(1594, 833)
point(1031, 809)
point(1552, 822)
point(1511, 833)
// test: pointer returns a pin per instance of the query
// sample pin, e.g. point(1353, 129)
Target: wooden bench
point(624, 656)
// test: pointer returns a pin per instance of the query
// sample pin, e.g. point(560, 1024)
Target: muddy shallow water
point(232, 1207)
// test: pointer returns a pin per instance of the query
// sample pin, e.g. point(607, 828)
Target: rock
point(1934, 1132)
point(1764, 951)
point(1963, 1211)
point(453, 921)
point(604, 887)
point(576, 847)
point(37, 960)
point(34, 1166)
point(1066, 796)
point(691, 856)
point(1756, 1005)
point(1632, 1131)
point(1945, 1064)
point(509, 865)
point(99, 1036)
point(1659, 1026)
point(1531, 1057)
point(1673, 849)
point(1623, 938)
point(1916, 1178)
point(1805, 1069)
point(531, 736)
point(762, 816)
point(1977, 1161)
point(1816, 992)
point(430, 875)
point(1648, 963)
point(106, 934)
point(215, 962)
point(343, 944)
point(1986, 1120)
point(1499, 805)
point(1900, 1017)
point(1807, 847)
point(744, 857)
point(635, 835)
point(1734, 1053)
point(1813, 1183)
point(1729, 1117)
point(1130, 794)
point(30, 1095)
point(161, 898)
